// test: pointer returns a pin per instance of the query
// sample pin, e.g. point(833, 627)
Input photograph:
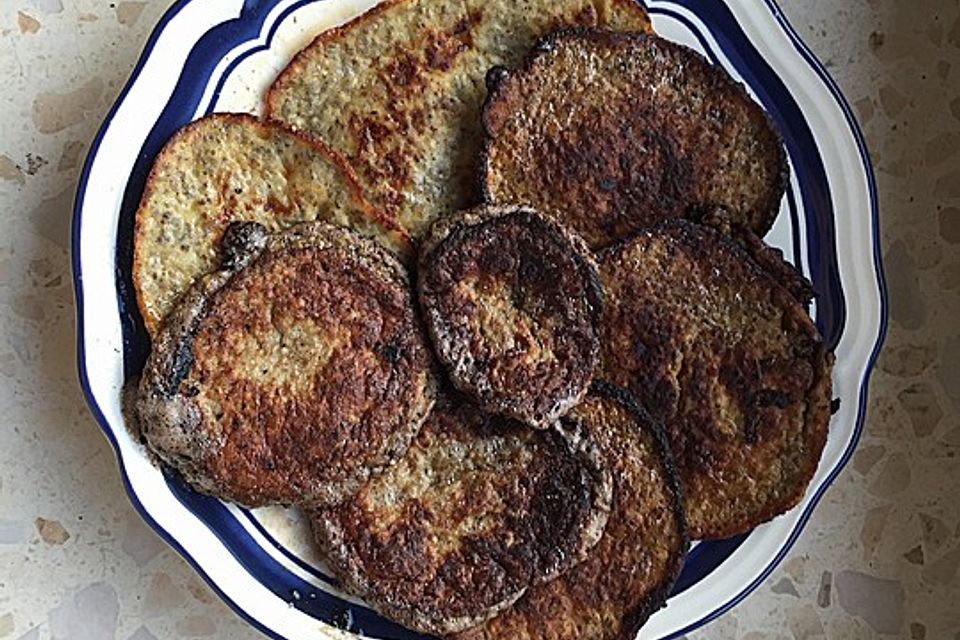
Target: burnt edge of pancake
point(529, 403)
point(170, 422)
point(564, 505)
point(171, 358)
point(497, 77)
point(816, 415)
point(657, 599)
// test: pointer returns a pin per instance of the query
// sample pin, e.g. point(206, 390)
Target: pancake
point(512, 302)
point(728, 359)
point(615, 132)
point(228, 167)
point(292, 373)
point(478, 510)
point(629, 573)
point(398, 91)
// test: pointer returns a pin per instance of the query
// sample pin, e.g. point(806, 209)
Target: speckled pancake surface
point(230, 167)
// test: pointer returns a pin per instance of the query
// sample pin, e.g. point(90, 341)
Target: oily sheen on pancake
point(292, 373)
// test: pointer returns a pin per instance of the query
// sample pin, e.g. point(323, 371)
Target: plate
point(220, 55)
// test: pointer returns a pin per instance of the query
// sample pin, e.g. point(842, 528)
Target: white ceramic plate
point(219, 55)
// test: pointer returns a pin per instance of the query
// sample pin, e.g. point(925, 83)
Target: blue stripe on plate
point(286, 553)
point(254, 8)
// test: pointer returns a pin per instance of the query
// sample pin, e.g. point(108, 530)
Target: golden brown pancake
point(292, 373)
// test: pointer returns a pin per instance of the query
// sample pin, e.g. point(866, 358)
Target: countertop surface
point(880, 556)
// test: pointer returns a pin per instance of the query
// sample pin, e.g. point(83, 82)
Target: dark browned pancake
point(478, 510)
point(512, 302)
point(629, 573)
point(614, 132)
point(725, 356)
point(292, 373)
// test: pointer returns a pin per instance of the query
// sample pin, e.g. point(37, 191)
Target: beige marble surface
point(880, 557)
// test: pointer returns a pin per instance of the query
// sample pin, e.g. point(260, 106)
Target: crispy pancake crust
point(293, 373)
point(408, 118)
point(479, 509)
point(629, 573)
point(512, 302)
point(615, 132)
point(728, 360)
point(228, 167)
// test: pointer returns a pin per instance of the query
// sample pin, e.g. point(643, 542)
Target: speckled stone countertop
point(880, 557)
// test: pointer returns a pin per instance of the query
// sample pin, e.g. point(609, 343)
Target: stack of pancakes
point(484, 294)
